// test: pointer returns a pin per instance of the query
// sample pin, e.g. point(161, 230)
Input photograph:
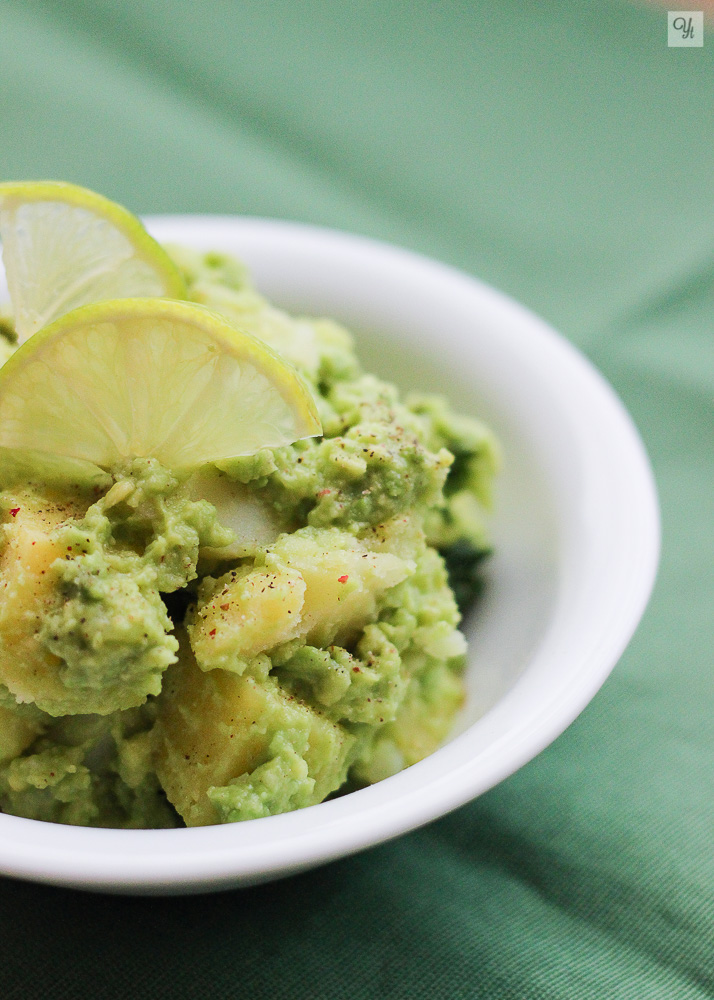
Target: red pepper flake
point(324, 493)
point(225, 607)
point(343, 579)
point(14, 511)
point(212, 632)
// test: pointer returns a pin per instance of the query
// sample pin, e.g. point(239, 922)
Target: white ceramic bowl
point(576, 534)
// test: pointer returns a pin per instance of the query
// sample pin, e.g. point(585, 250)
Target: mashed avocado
point(257, 636)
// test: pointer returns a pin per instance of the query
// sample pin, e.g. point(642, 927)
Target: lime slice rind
point(65, 246)
point(150, 378)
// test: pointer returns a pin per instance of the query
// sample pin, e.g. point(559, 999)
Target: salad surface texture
point(248, 636)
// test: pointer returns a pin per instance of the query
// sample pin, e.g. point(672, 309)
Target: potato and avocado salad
point(206, 645)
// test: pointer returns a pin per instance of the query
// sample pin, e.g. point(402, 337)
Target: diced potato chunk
point(26, 594)
point(252, 520)
point(403, 536)
point(217, 728)
point(320, 585)
point(250, 611)
point(343, 580)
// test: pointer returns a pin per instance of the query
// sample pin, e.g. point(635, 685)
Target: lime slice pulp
point(150, 377)
point(65, 246)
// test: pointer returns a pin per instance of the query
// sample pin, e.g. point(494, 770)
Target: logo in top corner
point(685, 28)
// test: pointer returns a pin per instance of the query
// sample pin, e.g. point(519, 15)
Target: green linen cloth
point(564, 153)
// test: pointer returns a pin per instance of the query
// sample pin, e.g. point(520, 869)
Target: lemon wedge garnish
point(150, 378)
point(64, 247)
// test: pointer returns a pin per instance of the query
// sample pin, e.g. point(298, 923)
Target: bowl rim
point(204, 858)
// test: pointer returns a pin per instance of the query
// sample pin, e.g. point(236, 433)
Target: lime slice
point(65, 246)
point(150, 377)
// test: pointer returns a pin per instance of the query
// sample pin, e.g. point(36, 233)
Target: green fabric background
point(562, 152)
